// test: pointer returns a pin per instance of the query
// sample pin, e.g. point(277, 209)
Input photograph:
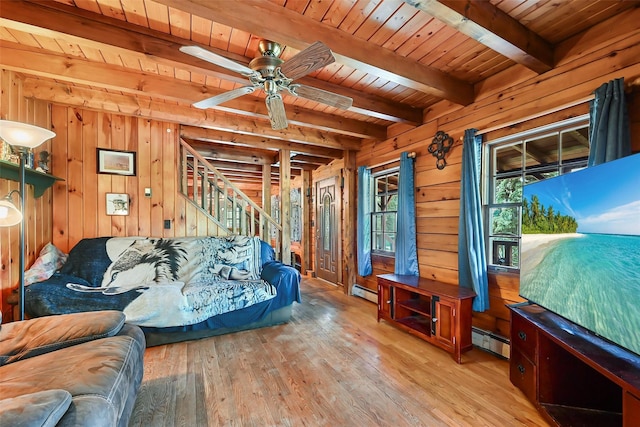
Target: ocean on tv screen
point(581, 248)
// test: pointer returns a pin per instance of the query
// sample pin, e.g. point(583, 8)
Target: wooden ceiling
point(394, 58)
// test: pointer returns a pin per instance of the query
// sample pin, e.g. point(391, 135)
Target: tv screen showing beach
point(581, 248)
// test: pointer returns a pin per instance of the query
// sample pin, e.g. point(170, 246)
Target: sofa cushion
point(21, 340)
point(89, 260)
point(43, 408)
point(102, 376)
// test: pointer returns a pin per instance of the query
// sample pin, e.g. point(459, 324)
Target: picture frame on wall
point(117, 204)
point(116, 162)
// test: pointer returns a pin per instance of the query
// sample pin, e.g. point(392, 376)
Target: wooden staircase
point(223, 202)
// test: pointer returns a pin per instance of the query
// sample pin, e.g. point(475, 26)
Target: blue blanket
point(161, 282)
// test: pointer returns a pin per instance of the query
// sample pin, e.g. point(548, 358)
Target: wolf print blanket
point(182, 281)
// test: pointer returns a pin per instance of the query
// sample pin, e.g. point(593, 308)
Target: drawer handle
point(388, 301)
point(521, 369)
point(522, 336)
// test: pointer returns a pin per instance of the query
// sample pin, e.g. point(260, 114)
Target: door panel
point(328, 229)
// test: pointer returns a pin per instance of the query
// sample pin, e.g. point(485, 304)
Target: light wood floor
point(332, 365)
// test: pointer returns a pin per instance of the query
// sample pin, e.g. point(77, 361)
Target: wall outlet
point(167, 224)
point(147, 192)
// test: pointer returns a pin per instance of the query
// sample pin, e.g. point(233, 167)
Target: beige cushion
point(28, 338)
point(43, 408)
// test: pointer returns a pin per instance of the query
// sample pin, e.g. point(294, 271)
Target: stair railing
point(222, 201)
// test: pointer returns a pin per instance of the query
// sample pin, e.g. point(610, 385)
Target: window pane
point(376, 241)
point(326, 214)
point(392, 182)
point(508, 158)
point(575, 144)
point(504, 221)
point(539, 176)
point(390, 222)
point(504, 252)
point(390, 242)
point(542, 151)
point(376, 224)
point(392, 203)
point(508, 190)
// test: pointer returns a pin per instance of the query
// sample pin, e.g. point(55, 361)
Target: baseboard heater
point(490, 342)
point(366, 293)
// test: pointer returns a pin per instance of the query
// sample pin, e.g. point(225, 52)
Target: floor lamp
point(22, 137)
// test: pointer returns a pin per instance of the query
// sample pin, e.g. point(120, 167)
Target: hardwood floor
point(332, 365)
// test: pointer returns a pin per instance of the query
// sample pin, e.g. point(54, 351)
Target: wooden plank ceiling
point(394, 58)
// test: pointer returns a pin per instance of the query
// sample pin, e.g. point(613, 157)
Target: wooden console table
point(436, 312)
point(573, 376)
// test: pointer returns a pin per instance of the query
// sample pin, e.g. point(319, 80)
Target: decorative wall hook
point(439, 147)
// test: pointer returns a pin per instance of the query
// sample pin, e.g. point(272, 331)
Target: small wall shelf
point(40, 181)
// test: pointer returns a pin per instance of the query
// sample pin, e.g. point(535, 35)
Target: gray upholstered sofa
point(81, 369)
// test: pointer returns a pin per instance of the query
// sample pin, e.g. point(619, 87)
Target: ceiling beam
point(300, 158)
point(487, 24)
point(65, 94)
point(220, 136)
point(229, 153)
point(66, 68)
point(86, 28)
point(271, 21)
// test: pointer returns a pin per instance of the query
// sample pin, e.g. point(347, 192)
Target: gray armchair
point(70, 370)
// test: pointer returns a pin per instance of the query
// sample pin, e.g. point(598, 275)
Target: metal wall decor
point(439, 147)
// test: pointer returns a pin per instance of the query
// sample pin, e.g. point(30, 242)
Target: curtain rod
point(412, 155)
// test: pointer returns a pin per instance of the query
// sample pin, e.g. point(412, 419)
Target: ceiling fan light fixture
point(272, 74)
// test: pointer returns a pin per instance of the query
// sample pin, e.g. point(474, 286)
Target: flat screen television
point(581, 248)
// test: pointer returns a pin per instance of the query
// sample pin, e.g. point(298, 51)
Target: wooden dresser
point(574, 377)
point(437, 312)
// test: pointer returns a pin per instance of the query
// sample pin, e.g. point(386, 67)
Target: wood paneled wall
point(79, 209)
point(37, 218)
point(584, 63)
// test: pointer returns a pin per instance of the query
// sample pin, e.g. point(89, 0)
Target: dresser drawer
point(522, 374)
point(523, 336)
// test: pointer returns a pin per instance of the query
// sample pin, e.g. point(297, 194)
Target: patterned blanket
point(181, 281)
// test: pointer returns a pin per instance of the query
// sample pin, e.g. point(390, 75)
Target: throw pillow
point(49, 261)
point(88, 260)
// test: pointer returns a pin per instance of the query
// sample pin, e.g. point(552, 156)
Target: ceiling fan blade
point(277, 115)
point(216, 59)
point(224, 97)
point(313, 58)
point(323, 96)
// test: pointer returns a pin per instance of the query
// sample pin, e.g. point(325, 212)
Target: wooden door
point(328, 229)
point(445, 324)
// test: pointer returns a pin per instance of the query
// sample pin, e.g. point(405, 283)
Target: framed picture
point(117, 204)
point(116, 162)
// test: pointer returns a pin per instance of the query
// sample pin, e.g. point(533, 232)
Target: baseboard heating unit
point(366, 293)
point(490, 342)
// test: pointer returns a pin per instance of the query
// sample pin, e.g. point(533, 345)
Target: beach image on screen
point(581, 248)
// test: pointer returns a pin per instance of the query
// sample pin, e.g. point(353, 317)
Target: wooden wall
point(584, 63)
point(37, 222)
point(76, 207)
point(79, 209)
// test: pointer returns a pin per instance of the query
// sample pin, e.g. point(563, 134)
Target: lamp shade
point(23, 135)
point(9, 213)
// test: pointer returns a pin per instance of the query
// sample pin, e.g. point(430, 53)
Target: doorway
point(328, 230)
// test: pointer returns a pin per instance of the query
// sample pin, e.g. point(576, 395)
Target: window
point(518, 160)
point(383, 216)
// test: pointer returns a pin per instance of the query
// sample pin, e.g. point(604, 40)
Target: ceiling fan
point(273, 75)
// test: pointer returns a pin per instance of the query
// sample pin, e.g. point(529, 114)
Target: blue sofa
point(81, 369)
point(187, 266)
